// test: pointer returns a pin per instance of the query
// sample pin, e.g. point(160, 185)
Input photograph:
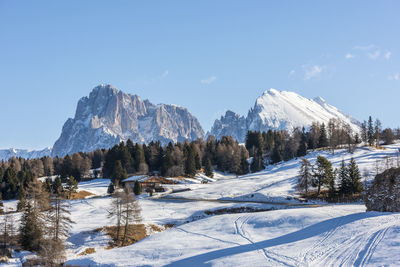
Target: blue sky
point(208, 56)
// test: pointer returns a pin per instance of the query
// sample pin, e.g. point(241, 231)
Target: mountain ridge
point(279, 110)
point(109, 116)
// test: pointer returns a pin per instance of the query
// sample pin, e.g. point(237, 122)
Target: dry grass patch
point(168, 225)
point(81, 194)
point(135, 233)
point(87, 251)
point(156, 228)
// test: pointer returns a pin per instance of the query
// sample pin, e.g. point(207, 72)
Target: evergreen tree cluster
point(322, 174)
point(372, 133)
point(277, 145)
point(173, 160)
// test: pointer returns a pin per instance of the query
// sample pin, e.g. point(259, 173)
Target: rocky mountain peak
point(109, 116)
point(279, 110)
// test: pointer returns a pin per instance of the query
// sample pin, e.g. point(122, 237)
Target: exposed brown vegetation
point(135, 233)
point(168, 225)
point(87, 251)
point(81, 194)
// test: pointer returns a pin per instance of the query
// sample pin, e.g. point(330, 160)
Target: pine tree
point(190, 164)
point(137, 189)
point(21, 199)
point(57, 186)
point(323, 139)
point(305, 176)
point(378, 130)
point(197, 161)
point(209, 169)
point(364, 132)
point(244, 164)
point(345, 183)
point(354, 177)
point(323, 173)
point(302, 150)
point(71, 186)
point(140, 160)
point(119, 173)
point(111, 188)
point(276, 154)
point(30, 229)
point(370, 132)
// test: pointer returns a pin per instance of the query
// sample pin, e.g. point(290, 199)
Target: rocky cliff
point(109, 116)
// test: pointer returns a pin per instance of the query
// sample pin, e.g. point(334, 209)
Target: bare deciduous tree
point(130, 210)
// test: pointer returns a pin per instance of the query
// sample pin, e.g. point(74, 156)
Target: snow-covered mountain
point(279, 110)
point(5, 154)
point(109, 116)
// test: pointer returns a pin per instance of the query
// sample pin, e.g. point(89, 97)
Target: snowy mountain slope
point(109, 116)
point(279, 110)
point(5, 154)
point(322, 236)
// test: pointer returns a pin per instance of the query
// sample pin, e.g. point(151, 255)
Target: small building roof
point(135, 178)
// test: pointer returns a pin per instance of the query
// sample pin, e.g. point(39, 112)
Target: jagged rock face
point(109, 116)
point(279, 111)
point(231, 124)
point(384, 193)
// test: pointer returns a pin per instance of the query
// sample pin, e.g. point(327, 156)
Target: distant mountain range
point(24, 153)
point(109, 116)
point(279, 110)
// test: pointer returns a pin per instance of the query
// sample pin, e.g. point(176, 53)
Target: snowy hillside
point(291, 235)
point(279, 110)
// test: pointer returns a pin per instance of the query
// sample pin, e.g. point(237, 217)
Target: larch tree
point(130, 211)
point(58, 222)
point(115, 212)
point(305, 175)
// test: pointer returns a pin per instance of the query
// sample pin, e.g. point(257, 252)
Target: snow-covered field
point(327, 235)
point(343, 235)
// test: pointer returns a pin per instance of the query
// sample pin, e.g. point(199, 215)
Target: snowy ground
point(291, 236)
point(276, 183)
point(333, 235)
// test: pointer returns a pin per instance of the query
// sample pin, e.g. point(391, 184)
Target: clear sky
point(208, 56)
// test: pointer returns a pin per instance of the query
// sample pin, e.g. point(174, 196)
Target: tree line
point(187, 158)
point(345, 180)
